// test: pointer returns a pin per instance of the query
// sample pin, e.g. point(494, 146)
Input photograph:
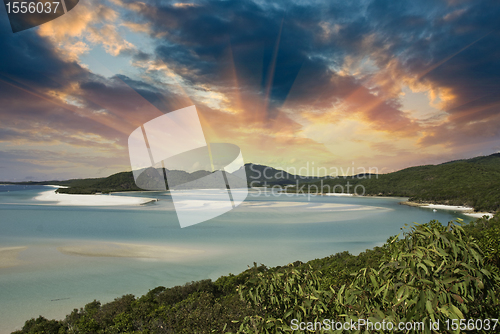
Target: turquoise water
point(265, 229)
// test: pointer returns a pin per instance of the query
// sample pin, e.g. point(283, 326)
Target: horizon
point(382, 85)
point(287, 170)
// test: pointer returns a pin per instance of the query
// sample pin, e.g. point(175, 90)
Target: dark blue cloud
point(418, 34)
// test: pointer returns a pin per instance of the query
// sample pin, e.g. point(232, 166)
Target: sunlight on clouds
point(416, 105)
point(215, 100)
point(156, 66)
point(90, 24)
point(134, 6)
point(365, 99)
point(96, 139)
point(109, 38)
point(185, 5)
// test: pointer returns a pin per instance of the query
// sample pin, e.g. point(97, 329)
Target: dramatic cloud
point(383, 83)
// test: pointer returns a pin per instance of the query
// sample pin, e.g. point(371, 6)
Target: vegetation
point(117, 182)
point(429, 273)
point(473, 182)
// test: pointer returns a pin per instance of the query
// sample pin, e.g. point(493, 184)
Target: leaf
point(457, 311)
point(428, 306)
point(420, 265)
point(429, 263)
point(374, 282)
point(400, 292)
point(448, 280)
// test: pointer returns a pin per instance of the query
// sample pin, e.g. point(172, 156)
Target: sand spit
point(126, 250)
point(466, 210)
point(9, 256)
point(90, 200)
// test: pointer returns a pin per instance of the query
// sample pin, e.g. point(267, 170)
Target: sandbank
point(90, 200)
point(336, 194)
point(9, 256)
point(466, 210)
point(127, 250)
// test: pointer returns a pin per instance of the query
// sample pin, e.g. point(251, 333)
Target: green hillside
point(123, 181)
point(261, 175)
point(150, 179)
point(473, 182)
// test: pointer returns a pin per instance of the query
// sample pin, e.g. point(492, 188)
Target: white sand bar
point(9, 256)
point(466, 210)
point(90, 200)
point(337, 194)
point(115, 249)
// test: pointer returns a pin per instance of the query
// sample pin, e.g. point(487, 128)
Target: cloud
point(92, 23)
point(278, 78)
point(53, 107)
point(282, 68)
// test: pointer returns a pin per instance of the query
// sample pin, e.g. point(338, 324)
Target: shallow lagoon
point(72, 252)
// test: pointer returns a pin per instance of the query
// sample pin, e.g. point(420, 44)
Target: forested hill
point(262, 175)
point(123, 181)
point(473, 182)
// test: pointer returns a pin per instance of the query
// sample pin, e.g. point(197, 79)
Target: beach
point(466, 210)
point(337, 194)
point(90, 200)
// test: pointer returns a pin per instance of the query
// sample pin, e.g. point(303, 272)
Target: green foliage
point(280, 297)
point(432, 274)
point(487, 233)
point(41, 326)
point(117, 182)
point(474, 182)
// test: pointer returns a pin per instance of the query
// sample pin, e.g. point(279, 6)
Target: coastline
point(466, 210)
point(111, 200)
point(90, 200)
point(337, 194)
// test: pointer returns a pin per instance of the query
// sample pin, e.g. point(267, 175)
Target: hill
point(473, 182)
point(150, 179)
point(261, 175)
point(123, 181)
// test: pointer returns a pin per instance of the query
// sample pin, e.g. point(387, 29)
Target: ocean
point(67, 256)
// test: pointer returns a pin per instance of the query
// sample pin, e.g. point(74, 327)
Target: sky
point(374, 84)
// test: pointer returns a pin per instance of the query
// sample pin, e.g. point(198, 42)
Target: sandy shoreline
point(90, 200)
point(463, 209)
point(128, 250)
point(9, 256)
point(336, 194)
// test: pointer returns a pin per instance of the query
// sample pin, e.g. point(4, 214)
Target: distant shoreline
point(96, 200)
point(466, 210)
